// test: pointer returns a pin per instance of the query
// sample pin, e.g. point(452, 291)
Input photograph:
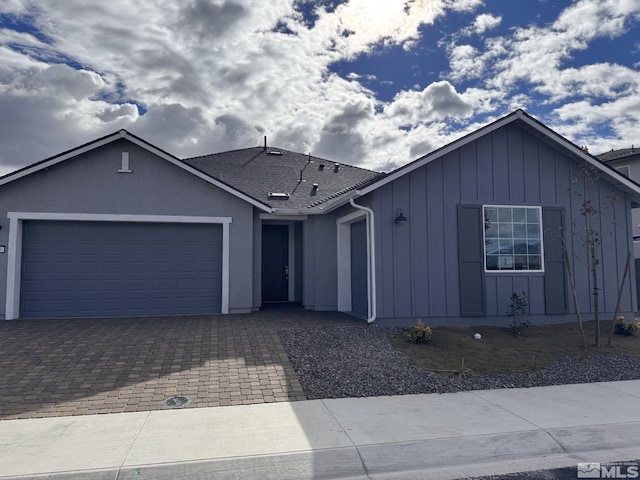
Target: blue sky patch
point(22, 24)
point(308, 9)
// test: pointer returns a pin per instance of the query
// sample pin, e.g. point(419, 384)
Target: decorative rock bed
point(349, 361)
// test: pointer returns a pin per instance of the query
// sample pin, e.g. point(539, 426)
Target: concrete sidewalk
point(412, 436)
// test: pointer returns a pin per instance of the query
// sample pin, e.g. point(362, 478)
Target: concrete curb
point(446, 436)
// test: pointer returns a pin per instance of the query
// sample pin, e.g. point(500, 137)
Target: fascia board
point(10, 177)
point(428, 158)
point(617, 178)
point(142, 144)
point(614, 176)
point(179, 163)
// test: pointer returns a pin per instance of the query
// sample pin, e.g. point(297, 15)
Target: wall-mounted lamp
point(400, 218)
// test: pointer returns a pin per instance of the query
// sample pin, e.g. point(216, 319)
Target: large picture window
point(513, 238)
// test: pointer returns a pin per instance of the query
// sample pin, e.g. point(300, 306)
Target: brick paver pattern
point(63, 367)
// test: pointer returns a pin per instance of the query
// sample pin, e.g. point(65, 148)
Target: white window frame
point(484, 240)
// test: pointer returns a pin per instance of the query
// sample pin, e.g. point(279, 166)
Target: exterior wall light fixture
point(400, 218)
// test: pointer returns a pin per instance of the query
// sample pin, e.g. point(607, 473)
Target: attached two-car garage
point(110, 268)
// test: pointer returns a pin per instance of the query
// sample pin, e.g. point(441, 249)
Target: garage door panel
point(162, 285)
point(163, 249)
point(43, 287)
point(49, 251)
point(107, 268)
point(113, 267)
point(163, 268)
point(82, 267)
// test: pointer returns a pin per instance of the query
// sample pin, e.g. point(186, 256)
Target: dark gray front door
point(359, 295)
point(275, 261)
point(77, 269)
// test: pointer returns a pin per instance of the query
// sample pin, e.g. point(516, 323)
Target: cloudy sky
point(375, 83)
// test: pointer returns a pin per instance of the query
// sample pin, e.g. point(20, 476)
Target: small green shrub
point(533, 367)
point(418, 333)
point(626, 327)
point(517, 313)
point(462, 371)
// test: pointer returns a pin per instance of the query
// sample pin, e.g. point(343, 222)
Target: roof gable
point(531, 125)
point(123, 134)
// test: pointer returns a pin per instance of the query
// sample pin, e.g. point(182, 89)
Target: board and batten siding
point(319, 257)
point(418, 261)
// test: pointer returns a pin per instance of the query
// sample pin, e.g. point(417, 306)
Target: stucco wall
point(90, 183)
point(417, 262)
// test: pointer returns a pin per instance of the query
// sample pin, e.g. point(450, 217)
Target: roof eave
point(391, 176)
point(614, 176)
point(51, 161)
point(198, 173)
point(123, 134)
point(332, 204)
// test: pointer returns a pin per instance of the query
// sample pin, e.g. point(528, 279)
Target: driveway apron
point(58, 367)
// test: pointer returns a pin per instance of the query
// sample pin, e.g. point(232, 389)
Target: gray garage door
point(77, 269)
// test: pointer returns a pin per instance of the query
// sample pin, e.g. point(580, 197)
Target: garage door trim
point(14, 259)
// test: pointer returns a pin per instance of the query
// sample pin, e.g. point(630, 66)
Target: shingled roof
point(291, 176)
point(618, 154)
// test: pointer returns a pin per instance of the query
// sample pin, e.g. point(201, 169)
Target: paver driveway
point(86, 366)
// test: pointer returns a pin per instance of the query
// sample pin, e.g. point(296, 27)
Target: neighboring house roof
point(619, 154)
point(531, 125)
point(259, 171)
point(48, 162)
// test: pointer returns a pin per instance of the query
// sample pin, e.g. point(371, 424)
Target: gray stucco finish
point(417, 262)
point(90, 183)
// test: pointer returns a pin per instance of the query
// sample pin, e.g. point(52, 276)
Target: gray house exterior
point(118, 227)
point(435, 266)
point(627, 162)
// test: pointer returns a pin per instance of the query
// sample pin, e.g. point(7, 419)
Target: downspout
point(371, 292)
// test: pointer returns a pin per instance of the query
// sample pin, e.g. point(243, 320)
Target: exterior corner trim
point(371, 287)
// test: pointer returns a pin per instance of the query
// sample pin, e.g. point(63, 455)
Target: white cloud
point(465, 62)
point(538, 54)
point(355, 76)
point(15, 7)
point(462, 5)
point(578, 121)
point(482, 23)
point(215, 75)
point(62, 80)
point(357, 25)
point(485, 22)
point(437, 101)
point(533, 67)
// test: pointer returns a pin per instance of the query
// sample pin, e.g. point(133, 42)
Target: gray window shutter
point(555, 284)
point(471, 261)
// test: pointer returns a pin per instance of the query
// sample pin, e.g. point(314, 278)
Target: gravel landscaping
point(354, 361)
